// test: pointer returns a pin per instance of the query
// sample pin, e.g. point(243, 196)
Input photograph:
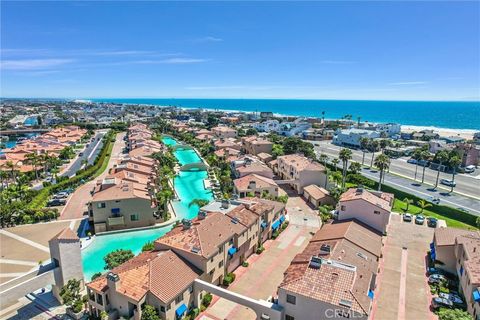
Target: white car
point(469, 169)
point(447, 182)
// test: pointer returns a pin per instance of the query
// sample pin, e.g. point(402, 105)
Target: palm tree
point(344, 155)
point(3, 178)
point(423, 204)
point(424, 155)
point(198, 202)
point(355, 167)
point(408, 202)
point(33, 159)
point(324, 158)
point(336, 177)
point(416, 155)
point(382, 162)
point(11, 166)
point(335, 162)
point(373, 145)
point(454, 162)
point(384, 143)
point(441, 157)
point(364, 141)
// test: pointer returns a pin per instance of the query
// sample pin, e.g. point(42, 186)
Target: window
point(342, 208)
point(101, 205)
point(291, 299)
point(179, 298)
point(190, 289)
point(220, 264)
point(107, 302)
point(134, 217)
point(162, 309)
point(289, 317)
point(212, 272)
point(220, 250)
point(231, 241)
point(376, 212)
point(99, 299)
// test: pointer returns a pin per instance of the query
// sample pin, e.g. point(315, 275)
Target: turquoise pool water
point(188, 185)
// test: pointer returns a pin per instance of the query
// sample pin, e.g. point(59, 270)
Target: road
point(466, 195)
point(90, 153)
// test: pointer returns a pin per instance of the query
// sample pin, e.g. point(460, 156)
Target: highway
point(466, 194)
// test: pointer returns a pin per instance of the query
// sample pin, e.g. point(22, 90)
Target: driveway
point(402, 292)
point(77, 203)
point(264, 274)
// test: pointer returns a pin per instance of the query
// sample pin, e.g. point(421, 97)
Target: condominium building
point(254, 145)
point(300, 171)
point(370, 207)
point(352, 137)
point(256, 185)
point(224, 132)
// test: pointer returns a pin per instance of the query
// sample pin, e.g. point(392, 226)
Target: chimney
point(225, 204)
point(202, 215)
point(112, 279)
point(186, 224)
point(359, 190)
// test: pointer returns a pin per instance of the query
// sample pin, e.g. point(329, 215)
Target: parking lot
point(402, 292)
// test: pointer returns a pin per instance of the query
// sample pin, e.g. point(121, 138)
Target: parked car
point(56, 202)
point(407, 217)
point(469, 169)
point(447, 182)
point(423, 163)
point(432, 222)
point(412, 161)
point(80, 154)
point(438, 302)
point(419, 219)
point(435, 200)
point(455, 298)
point(61, 195)
point(436, 278)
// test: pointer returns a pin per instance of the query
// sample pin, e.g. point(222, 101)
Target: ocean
point(440, 114)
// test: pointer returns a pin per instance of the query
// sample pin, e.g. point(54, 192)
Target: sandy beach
point(443, 132)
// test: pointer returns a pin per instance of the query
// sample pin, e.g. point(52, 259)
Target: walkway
point(77, 203)
point(402, 292)
point(261, 278)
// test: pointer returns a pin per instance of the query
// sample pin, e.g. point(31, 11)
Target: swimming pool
point(188, 185)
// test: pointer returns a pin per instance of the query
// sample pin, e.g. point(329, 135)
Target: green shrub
point(245, 264)
point(260, 250)
point(275, 234)
point(228, 279)
point(285, 225)
point(207, 299)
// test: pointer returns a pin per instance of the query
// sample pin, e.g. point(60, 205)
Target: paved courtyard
point(403, 292)
point(265, 272)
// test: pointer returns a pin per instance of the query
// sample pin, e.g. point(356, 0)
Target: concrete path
point(24, 240)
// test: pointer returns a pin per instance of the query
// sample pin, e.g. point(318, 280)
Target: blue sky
point(351, 50)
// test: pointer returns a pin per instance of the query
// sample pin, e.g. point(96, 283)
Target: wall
point(363, 211)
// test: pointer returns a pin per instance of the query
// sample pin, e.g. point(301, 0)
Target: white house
point(351, 137)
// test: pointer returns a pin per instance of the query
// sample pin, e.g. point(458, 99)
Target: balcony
point(116, 221)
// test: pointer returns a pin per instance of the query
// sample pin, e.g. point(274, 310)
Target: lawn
point(399, 206)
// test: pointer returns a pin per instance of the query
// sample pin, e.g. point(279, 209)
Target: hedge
point(100, 164)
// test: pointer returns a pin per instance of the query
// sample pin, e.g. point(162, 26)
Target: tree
point(453, 314)
point(424, 155)
point(440, 158)
point(423, 204)
point(336, 177)
point(384, 143)
point(96, 275)
point(293, 145)
point(335, 162)
point(454, 162)
point(70, 294)
point(417, 155)
point(364, 141)
point(277, 150)
point(382, 162)
point(478, 222)
point(373, 146)
point(32, 158)
point(117, 257)
point(324, 159)
point(355, 167)
point(325, 212)
point(149, 313)
point(198, 202)
point(344, 155)
point(149, 246)
point(408, 202)
point(251, 132)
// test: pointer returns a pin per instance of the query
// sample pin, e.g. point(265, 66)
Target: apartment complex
point(370, 207)
point(300, 171)
point(224, 132)
point(335, 275)
point(125, 198)
point(458, 251)
point(254, 145)
point(255, 184)
point(222, 236)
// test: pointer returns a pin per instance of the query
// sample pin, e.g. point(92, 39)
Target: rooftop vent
point(361, 255)
point(325, 249)
point(195, 249)
point(225, 204)
point(234, 220)
point(359, 190)
point(315, 262)
point(202, 214)
point(186, 223)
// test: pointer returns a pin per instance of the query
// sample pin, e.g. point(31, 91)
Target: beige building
point(248, 165)
point(458, 251)
point(370, 207)
point(121, 204)
point(254, 145)
point(335, 275)
point(256, 185)
point(224, 132)
point(300, 171)
point(318, 196)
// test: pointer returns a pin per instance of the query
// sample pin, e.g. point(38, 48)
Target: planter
point(75, 316)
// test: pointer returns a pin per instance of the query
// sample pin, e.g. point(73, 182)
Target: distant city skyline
point(253, 50)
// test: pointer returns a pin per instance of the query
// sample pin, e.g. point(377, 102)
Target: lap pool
point(188, 185)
